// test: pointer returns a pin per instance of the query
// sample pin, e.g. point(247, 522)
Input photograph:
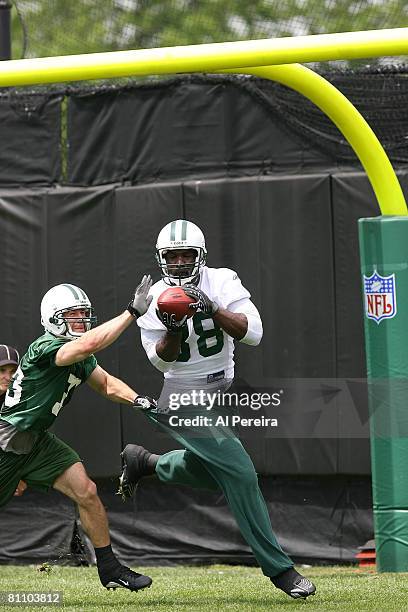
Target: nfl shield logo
point(380, 299)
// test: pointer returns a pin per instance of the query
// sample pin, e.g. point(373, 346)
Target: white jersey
point(207, 349)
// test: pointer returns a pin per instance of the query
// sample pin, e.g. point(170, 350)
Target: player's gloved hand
point(170, 322)
point(203, 303)
point(140, 302)
point(143, 402)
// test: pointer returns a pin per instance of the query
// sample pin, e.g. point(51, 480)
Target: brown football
point(175, 301)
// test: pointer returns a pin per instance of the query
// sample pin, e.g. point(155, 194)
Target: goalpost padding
point(384, 253)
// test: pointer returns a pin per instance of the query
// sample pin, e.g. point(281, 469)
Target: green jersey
point(40, 388)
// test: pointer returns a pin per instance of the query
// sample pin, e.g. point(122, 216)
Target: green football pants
point(39, 468)
point(215, 459)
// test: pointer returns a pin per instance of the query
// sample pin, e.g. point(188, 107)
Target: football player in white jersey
point(196, 356)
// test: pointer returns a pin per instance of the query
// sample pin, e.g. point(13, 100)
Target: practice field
point(215, 588)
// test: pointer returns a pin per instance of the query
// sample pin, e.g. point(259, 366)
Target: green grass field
point(215, 588)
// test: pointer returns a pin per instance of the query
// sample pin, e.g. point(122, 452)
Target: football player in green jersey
point(45, 379)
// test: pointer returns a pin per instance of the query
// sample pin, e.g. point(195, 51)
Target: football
point(176, 301)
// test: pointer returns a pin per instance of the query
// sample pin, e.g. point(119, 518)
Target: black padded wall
point(277, 232)
point(210, 150)
point(314, 519)
point(30, 145)
point(189, 128)
point(23, 256)
point(37, 528)
point(50, 237)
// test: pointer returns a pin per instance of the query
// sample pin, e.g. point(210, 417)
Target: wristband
point(132, 310)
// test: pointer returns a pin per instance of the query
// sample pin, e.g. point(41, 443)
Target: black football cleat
point(294, 584)
point(125, 578)
point(302, 588)
point(134, 467)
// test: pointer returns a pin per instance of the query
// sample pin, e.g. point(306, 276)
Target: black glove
point(140, 302)
point(143, 402)
point(203, 303)
point(170, 322)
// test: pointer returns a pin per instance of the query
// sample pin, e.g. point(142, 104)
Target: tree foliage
point(60, 27)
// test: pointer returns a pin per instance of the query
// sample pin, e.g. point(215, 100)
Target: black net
point(381, 96)
point(57, 27)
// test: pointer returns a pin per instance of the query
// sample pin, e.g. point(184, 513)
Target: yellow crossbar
point(205, 58)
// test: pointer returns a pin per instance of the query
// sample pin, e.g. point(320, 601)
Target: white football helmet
point(56, 302)
point(180, 235)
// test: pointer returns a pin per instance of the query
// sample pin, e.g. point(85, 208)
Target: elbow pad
point(254, 332)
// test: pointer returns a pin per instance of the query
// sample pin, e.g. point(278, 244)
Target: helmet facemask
point(181, 273)
point(66, 323)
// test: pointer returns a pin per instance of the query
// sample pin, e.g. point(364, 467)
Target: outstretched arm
point(111, 387)
point(93, 340)
point(116, 390)
point(104, 335)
